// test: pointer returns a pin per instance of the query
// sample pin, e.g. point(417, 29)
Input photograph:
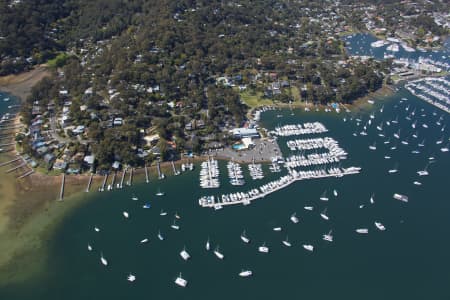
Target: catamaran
point(263, 248)
point(184, 254)
point(103, 260)
point(380, 226)
point(294, 218)
point(286, 242)
point(245, 273)
point(180, 281)
point(328, 237)
point(244, 237)
point(131, 277)
point(308, 247)
point(324, 197)
point(217, 253)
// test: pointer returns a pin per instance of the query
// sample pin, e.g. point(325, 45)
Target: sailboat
point(421, 144)
point(103, 260)
point(160, 236)
point(308, 208)
point(163, 213)
point(323, 214)
point(180, 281)
point(324, 197)
point(125, 214)
point(174, 225)
point(394, 170)
point(423, 172)
point(286, 242)
point(97, 229)
point(380, 226)
point(244, 237)
point(207, 246)
point(335, 193)
point(308, 247)
point(146, 205)
point(134, 198)
point(372, 201)
point(397, 134)
point(144, 241)
point(294, 218)
point(328, 237)
point(184, 254)
point(89, 247)
point(362, 230)
point(218, 254)
point(245, 273)
point(445, 149)
point(159, 193)
point(373, 146)
point(263, 248)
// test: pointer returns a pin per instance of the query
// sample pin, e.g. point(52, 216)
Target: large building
point(244, 132)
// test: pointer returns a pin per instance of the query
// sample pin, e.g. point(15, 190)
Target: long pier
point(160, 174)
point(175, 171)
point(246, 197)
point(16, 167)
point(111, 186)
point(123, 177)
point(89, 183)
point(9, 162)
point(146, 173)
point(26, 174)
point(130, 179)
point(102, 188)
point(61, 193)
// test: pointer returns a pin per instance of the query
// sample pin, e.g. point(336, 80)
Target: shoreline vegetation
point(30, 210)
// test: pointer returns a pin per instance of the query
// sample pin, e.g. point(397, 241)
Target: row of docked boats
point(255, 171)
point(299, 129)
point(235, 173)
point(435, 91)
point(209, 174)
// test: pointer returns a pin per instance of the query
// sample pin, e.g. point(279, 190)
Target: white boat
point(89, 247)
point(218, 254)
point(159, 193)
point(163, 213)
point(324, 197)
point(177, 216)
point(97, 229)
point(372, 199)
point(144, 241)
point(373, 146)
point(180, 281)
point(362, 230)
point(207, 245)
point(245, 273)
point(263, 248)
point(131, 277)
point(335, 193)
point(400, 197)
point(184, 254)
point(134, 198)
point(308, 207)
point(324, 214)
point(308, 247)
point(286, 242)
point(380, 226)
point(160, 236)
point(125, 214)
point(294, 218)
point(244, 238)
point(103, 260)
point(417, 183)
point(387, 157)
point(174, 225)
point(277, 229)
point(328, 237)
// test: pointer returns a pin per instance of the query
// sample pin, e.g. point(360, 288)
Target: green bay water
point(407, 261)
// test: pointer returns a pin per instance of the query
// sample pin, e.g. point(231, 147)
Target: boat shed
point(245, 132)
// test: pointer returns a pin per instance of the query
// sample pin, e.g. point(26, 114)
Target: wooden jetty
point(123, 177)
point(89, 183)
point(175, 171)
point(111, 186)
point(130, 179)
point(26, 174)
point(16, 167)
point(61, 193)
point(160, 174)
point(102, 188)
point(9, 162)
point(146, 173)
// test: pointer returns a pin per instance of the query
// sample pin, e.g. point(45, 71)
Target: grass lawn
point(254, 99)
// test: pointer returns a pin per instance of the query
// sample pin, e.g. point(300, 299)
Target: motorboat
point(245, 273)
point(380, 226)
point(131, 278)
point(263, 248)
point(180, 281)
point(244, 238)
point(308, 247)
